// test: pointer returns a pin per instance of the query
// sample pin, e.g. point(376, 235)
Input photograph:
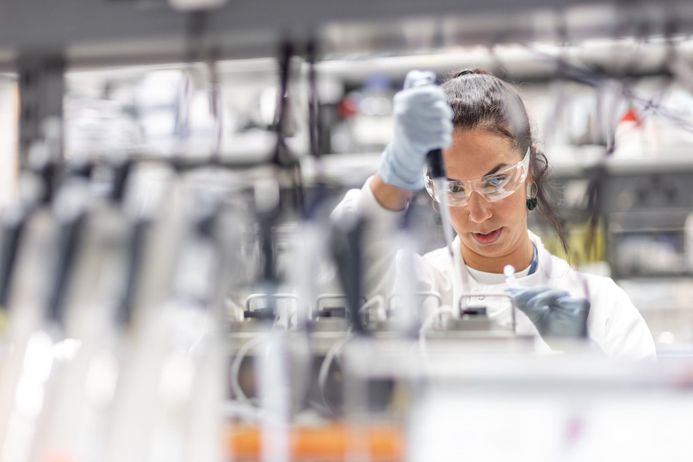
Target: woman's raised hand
point(423, 121)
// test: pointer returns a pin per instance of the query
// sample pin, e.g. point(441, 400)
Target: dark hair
point(482, 100)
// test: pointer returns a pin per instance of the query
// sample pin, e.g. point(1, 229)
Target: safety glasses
point(494, 187)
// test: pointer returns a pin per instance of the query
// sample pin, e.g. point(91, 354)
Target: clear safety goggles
point(494, 187)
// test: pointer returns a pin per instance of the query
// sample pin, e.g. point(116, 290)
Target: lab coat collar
point(469, 285)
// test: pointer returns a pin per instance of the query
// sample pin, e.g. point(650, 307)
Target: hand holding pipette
point(555, 313)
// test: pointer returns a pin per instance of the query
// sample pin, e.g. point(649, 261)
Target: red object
point(347, 108)
point(631, 116)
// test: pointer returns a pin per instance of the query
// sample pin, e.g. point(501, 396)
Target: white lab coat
point(614, 324)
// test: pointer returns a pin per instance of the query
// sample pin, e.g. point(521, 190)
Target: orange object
point(331, 443)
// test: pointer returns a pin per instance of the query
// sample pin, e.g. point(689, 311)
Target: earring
point(532, 200)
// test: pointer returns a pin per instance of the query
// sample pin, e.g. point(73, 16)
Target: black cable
point(50, 174)
point(215, 102)
point(69, 243)
point(121, 175)
point(315, 131)
point(286, 51)
point(298, 187)
point(313, 100)
point(137, 243)
point(13, 235)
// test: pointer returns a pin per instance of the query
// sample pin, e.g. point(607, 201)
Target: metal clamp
point(464, 309)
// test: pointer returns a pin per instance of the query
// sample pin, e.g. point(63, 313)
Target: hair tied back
point(469, 72)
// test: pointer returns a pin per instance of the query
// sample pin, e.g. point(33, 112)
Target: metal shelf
point(653, 275)
point(647, 230)
point(365, 163)
point(103, 32)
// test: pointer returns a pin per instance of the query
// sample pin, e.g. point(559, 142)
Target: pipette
point(439, 178)
point(509, 272)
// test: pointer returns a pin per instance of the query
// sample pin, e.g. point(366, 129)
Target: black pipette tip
point(436, 164)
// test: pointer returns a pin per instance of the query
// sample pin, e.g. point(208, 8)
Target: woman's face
point(486, 229)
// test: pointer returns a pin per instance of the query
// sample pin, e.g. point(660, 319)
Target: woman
point(495, 177)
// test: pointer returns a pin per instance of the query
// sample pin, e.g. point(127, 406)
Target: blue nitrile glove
point(554, 312)
point(423, 122)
